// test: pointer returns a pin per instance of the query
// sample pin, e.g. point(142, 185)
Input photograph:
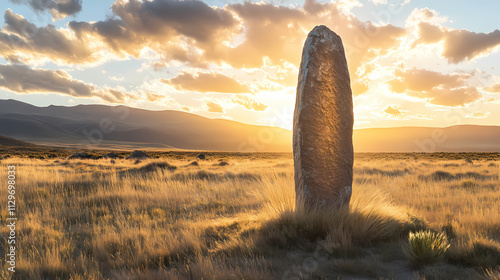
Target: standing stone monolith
point(323, 122)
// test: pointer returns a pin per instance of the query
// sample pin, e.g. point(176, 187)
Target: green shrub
point(426, 247)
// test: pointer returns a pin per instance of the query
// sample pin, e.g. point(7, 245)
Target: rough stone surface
point(80, 156)
point(323, 122)
point(201, 156)
point(138, 155)
point(112, 155)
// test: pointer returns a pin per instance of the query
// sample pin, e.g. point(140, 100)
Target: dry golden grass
point(95, 219)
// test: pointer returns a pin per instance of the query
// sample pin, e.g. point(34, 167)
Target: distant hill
point(11, 142)
point(120, 127)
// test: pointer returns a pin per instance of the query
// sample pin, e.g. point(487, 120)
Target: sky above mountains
point(412, 63)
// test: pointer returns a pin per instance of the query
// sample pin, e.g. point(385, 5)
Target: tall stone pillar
point(323, 122)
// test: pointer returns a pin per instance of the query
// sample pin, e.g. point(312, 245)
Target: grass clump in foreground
point(370, 218)
point(426, 247)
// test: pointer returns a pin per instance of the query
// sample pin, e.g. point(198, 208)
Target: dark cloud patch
point(20, 39)
point(194, 19)
point(23, 79)
point(459, 45)
point(173, 28)
point(58, 9)
point(69, 7)
point(113, 33)
point(207, 82)
point(249, 103)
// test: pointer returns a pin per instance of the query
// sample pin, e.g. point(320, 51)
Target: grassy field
point(176, 217)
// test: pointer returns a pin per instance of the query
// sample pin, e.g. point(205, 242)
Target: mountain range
point(121, 127)
point(11, 142)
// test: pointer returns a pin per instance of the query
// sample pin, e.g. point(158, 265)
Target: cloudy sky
point(412, 63)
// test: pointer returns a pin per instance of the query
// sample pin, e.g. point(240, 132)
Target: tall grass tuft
point(277, 194)
point(370, 217)
point(426, 247)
